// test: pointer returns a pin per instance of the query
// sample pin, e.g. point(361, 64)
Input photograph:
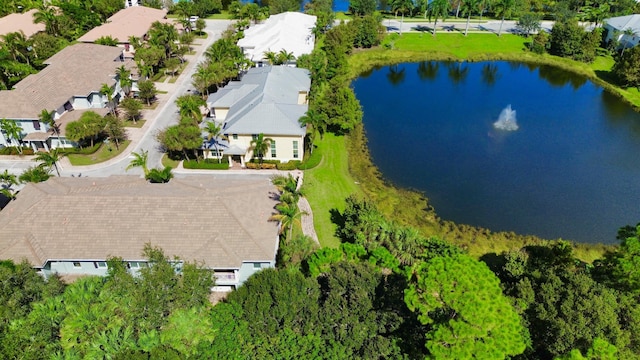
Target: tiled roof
point(75, 70)
point(218, 222)
point(291, 31)
point(264, 101)
point(132, 21)
point(20, 22)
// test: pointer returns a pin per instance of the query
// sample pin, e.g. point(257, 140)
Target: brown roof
point(219, 222)
point(75, 70)
point(20, 22)
point(132, 21)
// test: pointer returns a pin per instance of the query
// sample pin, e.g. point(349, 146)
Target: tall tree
point(402, 7)
point(12, 131)
point(189, 108)
point(124, 77)
point(147, 91)
point(260, 145)
point(503, 8)
point(468, 8)
point(214, 130)
point(107, 91)
point(7, 181)
point(461, 302)
point(438, 9)
point(317, 121)
point(49, 159)
point(132, 108)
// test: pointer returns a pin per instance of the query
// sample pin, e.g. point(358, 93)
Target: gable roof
point(131, 21)
point(199, 218)
point(264, 101)
point(75, 70)
point(622, 23)
point(20, 22)
point(291, 31)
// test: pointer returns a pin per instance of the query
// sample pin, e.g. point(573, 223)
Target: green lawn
point(457, 44)
point(104, 153)
point(327, 185)
point(166, 161)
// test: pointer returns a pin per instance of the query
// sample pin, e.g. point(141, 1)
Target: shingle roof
point(75, 70)
point(622, 23)
point(264, 101)
point(215, 221)
point(20, 22)
point(291, 31)
point(132, 21)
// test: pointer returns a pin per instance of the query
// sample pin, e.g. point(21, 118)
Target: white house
point(289, 31)
point(617, 26)
point(71, 226)
point(267, 100)
point(71, 81)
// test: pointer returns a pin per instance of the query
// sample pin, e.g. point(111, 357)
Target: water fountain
point(507, 120)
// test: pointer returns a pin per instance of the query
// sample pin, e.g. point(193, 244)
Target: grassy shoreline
point(411, 207)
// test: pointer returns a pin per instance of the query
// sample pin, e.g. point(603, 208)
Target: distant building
point(71, 81)
point(130, 3)
point(71, 226)
point(289, 31)
point(268, 100)
point(131, 21)
point(20, 22)
point(615, 30)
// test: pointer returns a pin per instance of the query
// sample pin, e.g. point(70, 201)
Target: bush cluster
point(13, 150)
point(207, 164)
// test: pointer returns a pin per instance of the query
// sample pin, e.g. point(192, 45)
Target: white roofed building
point(289, 31)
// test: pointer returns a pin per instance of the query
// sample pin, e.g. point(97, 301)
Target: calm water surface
point(571, 170)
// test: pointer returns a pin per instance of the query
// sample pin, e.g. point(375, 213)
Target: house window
point(257, 266)
point(100, 264)
point(273, 148)
point(295, 149)
point(36, 124)
point(76, 264)
point(235, 136)
point(254, 136)
point(133, 265)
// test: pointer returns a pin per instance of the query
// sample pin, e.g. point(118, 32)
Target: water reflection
point(396, 74)
point(558, 77)
point(428, 70)
point(457, 71)
point(490, 73)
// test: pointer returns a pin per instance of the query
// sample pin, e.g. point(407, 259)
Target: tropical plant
point(124, 76)
point(89, 126)
point(402, 7)
point(107, 91)
point(34, 174)
point(284, 57)
point(288, 215)
point(260, 145)
point(139, 160)
point(214, 130)
point(318, 123)
point(469, 7)
point(503, 8)
point(189, 108)
point(12, 131)
point(132, 109)
point(271, 57)
point(17, 44)
point(49, 160)
point(7, 181)
point(438, 9)
point(157, 176)
point(114, 130)
point(107, 40)
point(147, 91)
point(47, 117)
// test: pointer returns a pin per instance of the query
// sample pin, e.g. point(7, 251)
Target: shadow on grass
point(338, 219)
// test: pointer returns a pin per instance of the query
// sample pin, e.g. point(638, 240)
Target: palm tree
point(107, 91)
point(34, 174)
point(13, 131)
point(626, 34)
point(260, 145)
point(8, 181)
point(139, 160)
point(124, 75)
point(395, 75)
point(318, 123)
point(438, 9)
point(17, 44)
point(157, 176)
point(284, 57)
point(468, 7)
point(288, 215)
point(288, 185)
point(402, 6)
point(271, 57)
point(214, 131)
point(189, 107)
point(503, 8)
point(49, 159)
point(47, 117)
point(428, 70)
point(48, 15)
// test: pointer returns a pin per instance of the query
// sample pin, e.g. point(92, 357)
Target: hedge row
point(207, 164)
point(13, 150)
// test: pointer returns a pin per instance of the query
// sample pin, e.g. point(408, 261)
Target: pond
point(568, 168)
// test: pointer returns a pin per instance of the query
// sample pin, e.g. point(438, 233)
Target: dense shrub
point(256, 165)
point(13, 150)
point(87, 150)
point(289, 165)
point(207, 164)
